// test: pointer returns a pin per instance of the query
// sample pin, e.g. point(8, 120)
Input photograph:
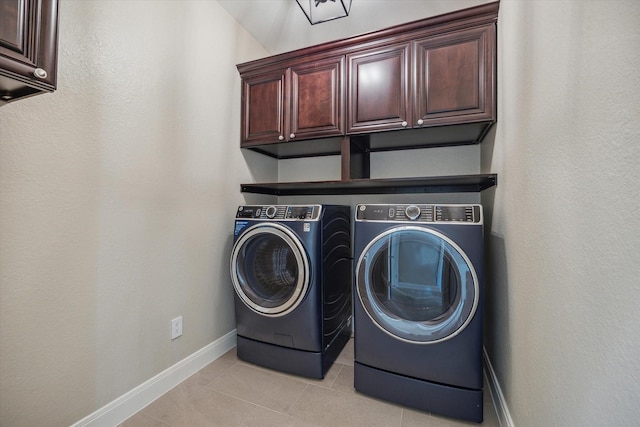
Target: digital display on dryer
point(454, 213)
point(299, 212)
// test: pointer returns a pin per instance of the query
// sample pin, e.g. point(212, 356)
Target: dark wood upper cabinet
point(28, 48)
point(379, 83)
point(436, 75)
point(302, 101)
point(454, 77)
point(317, 99)
point(431, 81)
point(263, 104)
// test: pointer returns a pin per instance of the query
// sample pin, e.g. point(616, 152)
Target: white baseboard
point(133, 401)
point(500, 404)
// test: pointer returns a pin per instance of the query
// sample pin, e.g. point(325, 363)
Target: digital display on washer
point(373, 212)
point(248, 212)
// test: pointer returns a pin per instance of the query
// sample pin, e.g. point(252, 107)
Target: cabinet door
point(378, 94)
point(28, 47)
point(263, 104)
point(454, 77)
point(317, 99)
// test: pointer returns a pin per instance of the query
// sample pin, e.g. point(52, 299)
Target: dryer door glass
point(269, 270)
point(417, 285)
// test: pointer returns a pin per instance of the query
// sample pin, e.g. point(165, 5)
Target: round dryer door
point(269, 269)
point(417, 285)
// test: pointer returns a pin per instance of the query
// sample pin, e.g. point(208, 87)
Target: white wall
point(562, 301)
point(117, 199)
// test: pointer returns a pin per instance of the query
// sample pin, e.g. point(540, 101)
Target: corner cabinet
point(434, 77)
point(28, 48)
point(305, 100)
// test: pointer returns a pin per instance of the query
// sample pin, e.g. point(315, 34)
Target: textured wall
point(562, 324)
point(117, 199)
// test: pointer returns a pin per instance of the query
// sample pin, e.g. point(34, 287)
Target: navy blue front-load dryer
point(291, 268)
point(418, 306)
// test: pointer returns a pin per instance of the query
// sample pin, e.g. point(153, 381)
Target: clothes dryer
point(418, 306)
point(291, 268)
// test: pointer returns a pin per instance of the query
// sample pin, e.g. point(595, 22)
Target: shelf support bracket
point(355, 160)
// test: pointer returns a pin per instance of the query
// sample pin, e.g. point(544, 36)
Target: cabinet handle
point(293, 135)
point(404, 124)
point(420, 122)
point(40, 73)
point(281, 138)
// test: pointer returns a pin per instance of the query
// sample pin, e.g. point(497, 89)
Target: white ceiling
point(280, 25)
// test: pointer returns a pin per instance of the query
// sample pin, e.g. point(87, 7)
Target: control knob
point(412, 212)
point(270, 212)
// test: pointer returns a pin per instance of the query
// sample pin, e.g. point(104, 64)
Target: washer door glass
point(269, 269)
point(417, 285)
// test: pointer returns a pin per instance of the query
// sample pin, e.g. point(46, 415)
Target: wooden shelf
point(438, 184)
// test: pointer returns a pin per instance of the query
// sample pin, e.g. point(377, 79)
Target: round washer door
point(269, 269)
point(417, 285)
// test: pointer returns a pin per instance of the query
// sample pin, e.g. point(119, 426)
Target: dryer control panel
point(280, 212)
point(420, 213)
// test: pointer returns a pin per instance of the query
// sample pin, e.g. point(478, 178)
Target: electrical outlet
point(176, 327)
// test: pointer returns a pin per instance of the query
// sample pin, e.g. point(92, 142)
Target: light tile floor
point(230, 392)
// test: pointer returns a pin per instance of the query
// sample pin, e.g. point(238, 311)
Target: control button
point(271, 212)
point(258, 212)
point(412, 212)
point(392, 213)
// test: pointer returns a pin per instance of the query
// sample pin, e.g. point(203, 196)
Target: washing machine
point(291, 268)
point(418, 306)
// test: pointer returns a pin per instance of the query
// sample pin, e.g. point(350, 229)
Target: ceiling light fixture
point(318, 11)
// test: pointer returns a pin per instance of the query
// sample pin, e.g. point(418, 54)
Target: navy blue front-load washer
point(291, 268)
point(418, 306)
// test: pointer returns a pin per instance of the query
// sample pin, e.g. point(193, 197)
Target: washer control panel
point(420, 213)
point(280, 212)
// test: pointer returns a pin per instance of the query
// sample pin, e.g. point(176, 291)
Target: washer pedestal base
point(298, 362)
point(454, 402)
